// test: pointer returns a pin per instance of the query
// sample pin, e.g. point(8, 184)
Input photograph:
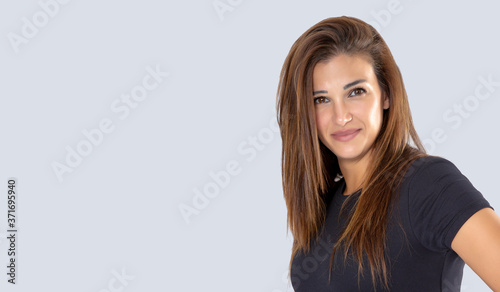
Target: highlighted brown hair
point(309, 168)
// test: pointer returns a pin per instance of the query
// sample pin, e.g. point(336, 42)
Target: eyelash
point(350, 94)
point(359, 88)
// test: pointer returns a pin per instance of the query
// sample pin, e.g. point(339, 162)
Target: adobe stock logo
point(121, 106)
point(31, 27)
point(383, 17)
point(223, 6)
point(321, 252)
point(461, 111)
point(118, 282)
point(219, 180)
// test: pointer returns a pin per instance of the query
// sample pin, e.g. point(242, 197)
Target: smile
point(346, 135)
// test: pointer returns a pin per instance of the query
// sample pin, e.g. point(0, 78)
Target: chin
point(347, 153)
point(348, 157)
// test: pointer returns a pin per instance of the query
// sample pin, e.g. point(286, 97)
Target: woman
point(368, 209)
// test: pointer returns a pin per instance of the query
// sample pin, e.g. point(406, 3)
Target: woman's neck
point(354, 173)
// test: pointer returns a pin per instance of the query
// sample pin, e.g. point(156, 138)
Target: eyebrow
point(345, 86)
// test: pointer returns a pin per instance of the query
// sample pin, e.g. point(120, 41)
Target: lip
point(345, 135)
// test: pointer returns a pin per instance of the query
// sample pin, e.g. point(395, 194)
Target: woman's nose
point(342, 114)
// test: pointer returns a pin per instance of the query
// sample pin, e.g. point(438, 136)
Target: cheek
point(322, 119)
point(374, 117)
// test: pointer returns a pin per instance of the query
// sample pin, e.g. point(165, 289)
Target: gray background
point(119, 209)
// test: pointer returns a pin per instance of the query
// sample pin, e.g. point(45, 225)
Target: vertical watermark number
point(12, 220)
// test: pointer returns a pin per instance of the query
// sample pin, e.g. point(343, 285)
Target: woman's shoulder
point(437, 199)
point(433, 178)
point(428, 167)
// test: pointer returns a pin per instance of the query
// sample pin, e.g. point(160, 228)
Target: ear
point(386, 102)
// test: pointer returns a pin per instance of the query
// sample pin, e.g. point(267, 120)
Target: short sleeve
point(441, 200)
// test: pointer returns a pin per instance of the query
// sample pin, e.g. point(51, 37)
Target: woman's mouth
point(345, 135)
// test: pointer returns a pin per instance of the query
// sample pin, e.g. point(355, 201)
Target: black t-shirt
point(434, 201)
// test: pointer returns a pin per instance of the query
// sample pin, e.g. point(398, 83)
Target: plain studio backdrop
point(143, 135)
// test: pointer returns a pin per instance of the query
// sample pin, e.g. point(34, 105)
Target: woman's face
point(348, 106)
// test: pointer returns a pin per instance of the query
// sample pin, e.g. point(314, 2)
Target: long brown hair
point(309, 168)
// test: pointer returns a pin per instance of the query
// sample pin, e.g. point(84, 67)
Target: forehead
point(342, 69)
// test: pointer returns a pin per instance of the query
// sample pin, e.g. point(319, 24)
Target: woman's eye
point(357, 91)
point(320, 99)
